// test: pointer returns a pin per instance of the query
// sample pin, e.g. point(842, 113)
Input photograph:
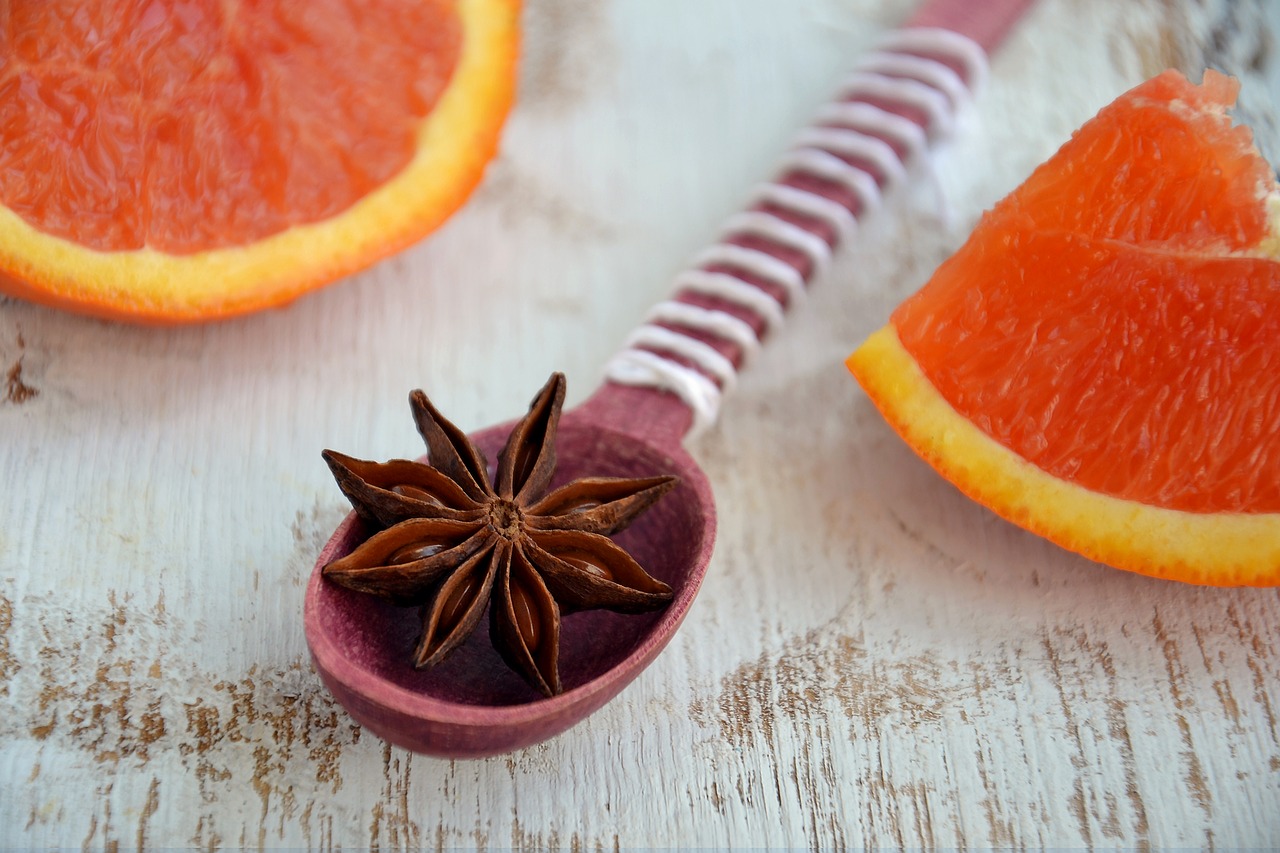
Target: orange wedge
point(1100, 362)
point(166, 161)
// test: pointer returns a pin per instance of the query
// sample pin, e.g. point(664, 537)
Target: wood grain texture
point(873, 661)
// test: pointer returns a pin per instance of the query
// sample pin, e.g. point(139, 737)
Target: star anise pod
point(452, 541)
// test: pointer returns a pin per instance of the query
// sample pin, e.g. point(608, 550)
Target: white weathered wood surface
point(873, 661)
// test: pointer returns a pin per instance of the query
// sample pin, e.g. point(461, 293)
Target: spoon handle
point(897, 102)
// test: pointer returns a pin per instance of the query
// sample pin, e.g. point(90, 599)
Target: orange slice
point(183, 160)
point(1100, 362)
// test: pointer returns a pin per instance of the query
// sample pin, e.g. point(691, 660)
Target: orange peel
point(454, 142)
point(1097, 372)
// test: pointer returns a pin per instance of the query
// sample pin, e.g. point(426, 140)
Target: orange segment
point(1100, 362)
point(188, 159)
point(1220, 549)
point(1162, 163)
point(1140, 374)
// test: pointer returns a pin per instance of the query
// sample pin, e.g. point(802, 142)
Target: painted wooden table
point(873, 661)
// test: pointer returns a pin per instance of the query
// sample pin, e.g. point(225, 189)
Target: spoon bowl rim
point(349, 680)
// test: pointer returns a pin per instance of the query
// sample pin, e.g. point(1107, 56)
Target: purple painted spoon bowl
point(472, 704)
point(668, 378)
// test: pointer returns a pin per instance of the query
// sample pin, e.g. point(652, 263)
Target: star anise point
point(455, 541)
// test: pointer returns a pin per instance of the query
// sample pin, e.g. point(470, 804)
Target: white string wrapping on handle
point(759, 223)
point(903, 90)
point(756, 262)
point(870, 119)
point(942, 42)
point(844, 142)
point(703, 355)
point(735, 291)
point(912, 70)
point(927, 71)
point(719, 324)
point(829, 167)
point(838, 218)
point(646, 369)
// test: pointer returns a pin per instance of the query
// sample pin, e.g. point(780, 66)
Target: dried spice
point(454, 542)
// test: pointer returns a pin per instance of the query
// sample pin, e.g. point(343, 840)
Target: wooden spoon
point(666, 381)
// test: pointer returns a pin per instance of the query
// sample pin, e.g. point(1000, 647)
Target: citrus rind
point(1219, 549)
point(455, 142)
